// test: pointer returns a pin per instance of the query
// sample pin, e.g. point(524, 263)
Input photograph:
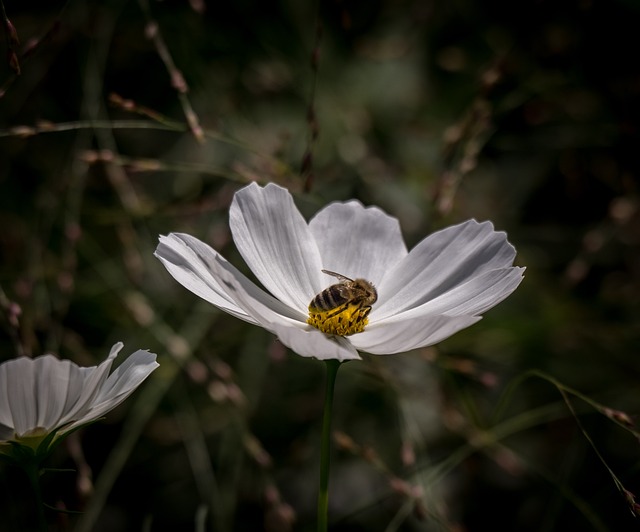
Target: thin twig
point(13, 41)
point(177, 79)
point(59, 127)
point(32, 46)
point(628, 495)
point(306, 169)
point(141, 165)
point(618, 417)
point(12, 312)
point(166, 124)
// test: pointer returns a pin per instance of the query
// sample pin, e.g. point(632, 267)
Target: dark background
point(524, 113)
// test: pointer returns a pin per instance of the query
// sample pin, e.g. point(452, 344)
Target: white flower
point(424, 296)
point(45, 398)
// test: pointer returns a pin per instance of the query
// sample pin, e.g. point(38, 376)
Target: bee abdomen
point(329, 298)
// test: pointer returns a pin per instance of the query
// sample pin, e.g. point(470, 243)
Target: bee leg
point(337, 311)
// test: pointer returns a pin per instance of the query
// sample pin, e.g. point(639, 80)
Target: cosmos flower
point(44, 398)
point(441, 286)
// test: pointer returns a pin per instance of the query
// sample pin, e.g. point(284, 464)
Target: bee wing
point(343, 278)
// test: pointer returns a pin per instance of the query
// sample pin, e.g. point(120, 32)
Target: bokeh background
point(130, 119)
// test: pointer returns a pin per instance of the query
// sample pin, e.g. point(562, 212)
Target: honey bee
point(342, 308)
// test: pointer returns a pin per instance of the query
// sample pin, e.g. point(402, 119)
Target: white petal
point(6, 416)
point(260, 306)
point(403, 335)
point(53, 378)
point(275, 241)
point(472, 298)
point(119, 385)
point(441, 262)
point(356, 241)
point(128, 375)
point(187, 259)
point(17, 378)
point(292, 330)
point(85, 385)
point(313, 343)
point(35, 392)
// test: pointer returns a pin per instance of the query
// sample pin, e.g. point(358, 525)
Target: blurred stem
point(33, 472)
point(325, 446)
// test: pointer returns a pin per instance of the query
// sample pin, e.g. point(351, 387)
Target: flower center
point(342, 321)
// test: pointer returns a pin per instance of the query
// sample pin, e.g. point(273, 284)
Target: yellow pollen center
point(342, 321)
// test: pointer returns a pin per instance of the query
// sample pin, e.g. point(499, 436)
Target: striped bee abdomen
point(330, 298)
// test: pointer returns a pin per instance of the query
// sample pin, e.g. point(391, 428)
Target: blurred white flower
point(424, 296)
point(45, 398)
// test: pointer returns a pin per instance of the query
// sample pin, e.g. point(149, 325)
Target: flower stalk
point(325, 445)
point(32, 469)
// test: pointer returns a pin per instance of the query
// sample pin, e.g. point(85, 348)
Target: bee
point(342, 308)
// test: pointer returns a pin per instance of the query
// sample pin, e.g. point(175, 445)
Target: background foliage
point(131, 119)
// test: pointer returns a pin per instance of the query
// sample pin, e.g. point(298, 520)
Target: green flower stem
point(325, 446)
point(32, 470)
